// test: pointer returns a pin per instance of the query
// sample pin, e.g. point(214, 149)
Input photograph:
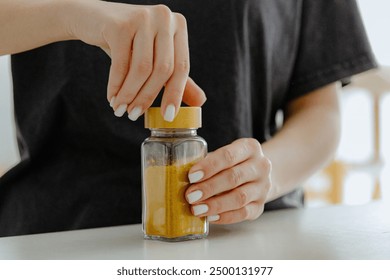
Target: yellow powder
point(167, 212)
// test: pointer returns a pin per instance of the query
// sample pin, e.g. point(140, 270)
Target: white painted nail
point(213, 218)
point(169, 113)
point(135, 113)
point(194, 196)
point(200, 209)
point(120, 110)
point(112, 101)
point(196, 176)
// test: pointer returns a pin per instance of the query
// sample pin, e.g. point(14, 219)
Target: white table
point(337, 232)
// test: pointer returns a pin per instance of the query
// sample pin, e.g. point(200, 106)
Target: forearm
point(306, 142)
point(26, 24)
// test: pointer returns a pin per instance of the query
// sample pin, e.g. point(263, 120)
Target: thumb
point(193, 95)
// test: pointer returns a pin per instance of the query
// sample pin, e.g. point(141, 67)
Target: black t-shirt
point(80, 165)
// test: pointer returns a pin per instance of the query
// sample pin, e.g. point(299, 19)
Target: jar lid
point(187, 117)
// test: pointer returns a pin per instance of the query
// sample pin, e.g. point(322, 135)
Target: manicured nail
point(169, 113)
point(112, 101)
point(200, 209)
point(196, 176)
point(120, 110)
point(135, 113)
point(213, 218)
point(194, 196)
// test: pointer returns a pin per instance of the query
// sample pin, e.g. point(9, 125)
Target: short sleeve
point(333, 46)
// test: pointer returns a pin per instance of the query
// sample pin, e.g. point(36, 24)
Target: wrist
point(64, 15)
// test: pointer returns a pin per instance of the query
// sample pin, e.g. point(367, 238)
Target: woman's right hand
point(148, 46)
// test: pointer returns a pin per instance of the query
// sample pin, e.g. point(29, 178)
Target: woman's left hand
point(231, 184)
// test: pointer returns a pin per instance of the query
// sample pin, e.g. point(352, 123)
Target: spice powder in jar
point(167, 156)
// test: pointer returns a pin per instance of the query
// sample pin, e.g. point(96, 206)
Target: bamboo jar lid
point(187, 117)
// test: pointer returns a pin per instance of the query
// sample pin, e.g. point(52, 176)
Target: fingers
point(232, 200)
point(154, 53)
point(140, 69)
point(244, 203)
point(224, 158)
point(120, 63)
point(175, 86)
point(148, 47)
point(193, 94)
point(250, 212)
point(232, 183)
point(226, 180)
point(163, 66)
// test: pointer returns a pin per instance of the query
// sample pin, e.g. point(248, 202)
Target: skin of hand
point(233, 183)
point(148, 46)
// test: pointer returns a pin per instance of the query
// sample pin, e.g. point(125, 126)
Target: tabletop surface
point(335, 232)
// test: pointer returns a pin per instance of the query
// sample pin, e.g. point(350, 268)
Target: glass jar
point(167, 156)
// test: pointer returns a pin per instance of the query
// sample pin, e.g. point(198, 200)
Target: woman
point(80, 164)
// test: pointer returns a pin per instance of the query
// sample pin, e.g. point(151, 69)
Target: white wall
point(8, 150)
point(376, 16)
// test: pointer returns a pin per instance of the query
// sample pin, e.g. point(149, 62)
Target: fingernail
point(213, 218)
point(135, 113)
point(196, 176)
point(200, 209)
point(194, 196)
point(120, 110)
point(112, 101)
point(169, 113)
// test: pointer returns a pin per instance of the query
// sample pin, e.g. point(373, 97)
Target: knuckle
point(122, 25)
point(213, 164)
point(207, 189)
point(253, 144)
point(235, 177)
point(165, 69)
point(123, 28)
point(246, 213)
point(253, 171)
point(261, 200)
point(163, 11)
point(145, 67)
point(266, 165)
point(181, 21)
point(121, 67)
point(259, 211)
point(217, 206)
point(242, 198)
point(143, 15)
point(147, 100)
point(229, 156)
point(183, 66)
point(245, 146)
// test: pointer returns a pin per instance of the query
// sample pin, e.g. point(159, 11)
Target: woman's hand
point(231, 184)
point(148, 46)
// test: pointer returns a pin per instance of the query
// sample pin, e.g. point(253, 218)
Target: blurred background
point(360, 172)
